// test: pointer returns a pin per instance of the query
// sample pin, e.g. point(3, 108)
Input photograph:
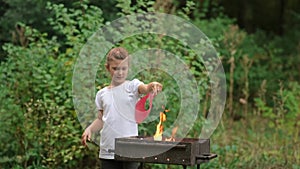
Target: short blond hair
point(117, 53)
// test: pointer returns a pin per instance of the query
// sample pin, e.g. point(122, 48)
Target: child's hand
point(86, 136)
point(155, 87)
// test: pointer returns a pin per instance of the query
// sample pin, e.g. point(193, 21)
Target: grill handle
point(155, 144)
point(206, 156)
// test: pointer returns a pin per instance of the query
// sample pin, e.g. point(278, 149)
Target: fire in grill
point(186, 151)
point(162, 150)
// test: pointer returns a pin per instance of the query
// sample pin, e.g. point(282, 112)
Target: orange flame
point(172, 138)
point(159, 127)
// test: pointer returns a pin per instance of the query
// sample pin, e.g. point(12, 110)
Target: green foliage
point(285, 108)
point(35, 17)
point(33, 13)
point(128, 7)
point(43, 121)
point(38, 123)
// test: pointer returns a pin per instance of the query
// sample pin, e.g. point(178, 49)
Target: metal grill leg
point(198, 166)
point(141, 166)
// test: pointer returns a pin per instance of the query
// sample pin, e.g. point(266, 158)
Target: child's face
point(118, 70)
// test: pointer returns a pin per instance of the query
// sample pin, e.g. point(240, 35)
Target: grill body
point(186, 151)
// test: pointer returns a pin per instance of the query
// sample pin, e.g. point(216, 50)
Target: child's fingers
point(157, 88)
point(84, 138)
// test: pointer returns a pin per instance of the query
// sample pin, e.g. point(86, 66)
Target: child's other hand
point(86, 136)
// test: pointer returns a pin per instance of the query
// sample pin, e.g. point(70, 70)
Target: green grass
point(250, 143)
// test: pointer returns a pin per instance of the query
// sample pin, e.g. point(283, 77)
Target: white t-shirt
point(118, 105)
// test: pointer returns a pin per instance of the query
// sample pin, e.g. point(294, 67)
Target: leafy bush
point(40, 128)
point(40, 124)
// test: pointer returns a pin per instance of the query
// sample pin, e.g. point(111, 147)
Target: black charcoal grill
point(185, 152)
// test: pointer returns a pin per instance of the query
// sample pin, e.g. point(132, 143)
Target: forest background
point(257, 41)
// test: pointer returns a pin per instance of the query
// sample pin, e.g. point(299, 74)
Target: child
point(116, 105)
